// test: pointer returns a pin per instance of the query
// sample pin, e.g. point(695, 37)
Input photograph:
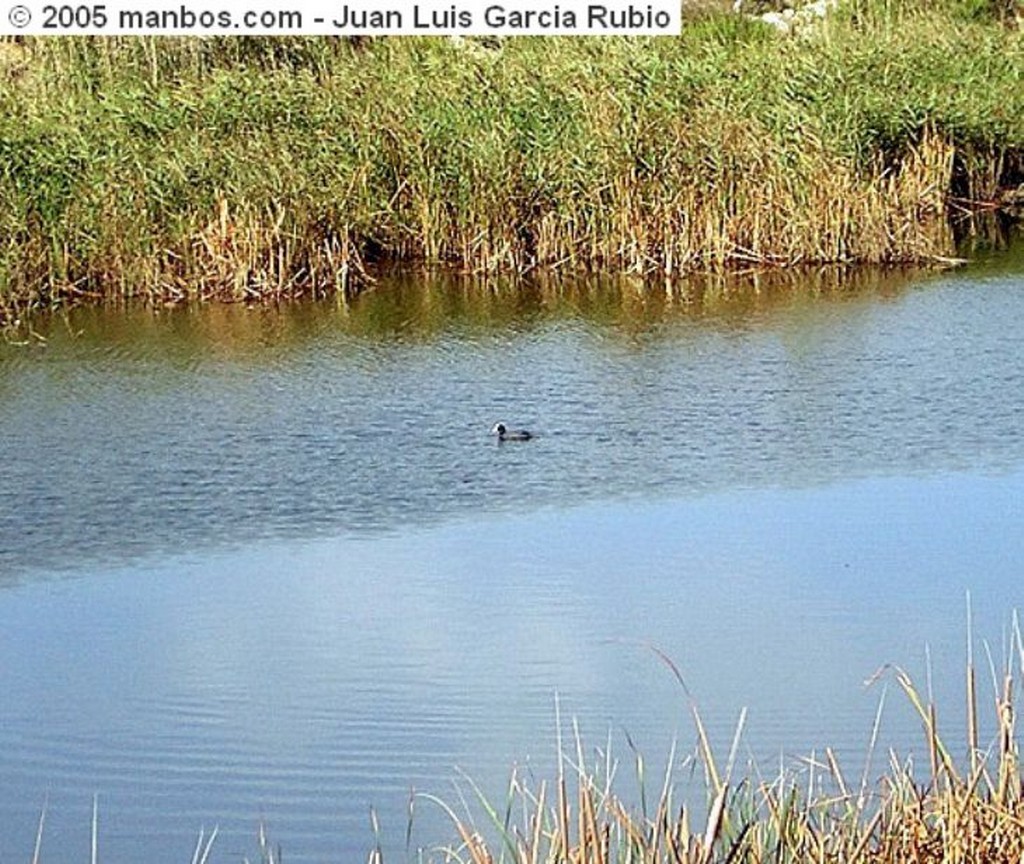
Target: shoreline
point(264, 169)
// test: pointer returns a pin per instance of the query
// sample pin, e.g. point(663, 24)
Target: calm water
point(268, 564)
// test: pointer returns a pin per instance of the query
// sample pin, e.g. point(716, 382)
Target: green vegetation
point(246, 169)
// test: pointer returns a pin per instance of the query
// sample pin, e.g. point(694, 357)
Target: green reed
point(252, 169)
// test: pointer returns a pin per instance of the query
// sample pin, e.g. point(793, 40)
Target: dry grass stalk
point(956, 817)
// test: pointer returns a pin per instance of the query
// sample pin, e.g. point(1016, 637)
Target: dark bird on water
point(506, 434)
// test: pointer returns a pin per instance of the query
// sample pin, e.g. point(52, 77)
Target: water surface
point(268, 563)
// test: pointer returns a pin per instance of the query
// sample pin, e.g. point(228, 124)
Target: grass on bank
point(955, 810)
point(248, 168)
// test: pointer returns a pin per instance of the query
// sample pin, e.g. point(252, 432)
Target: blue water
point(269, 565)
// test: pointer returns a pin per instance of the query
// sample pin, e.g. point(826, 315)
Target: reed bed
point(956, 810)
point(259, 169)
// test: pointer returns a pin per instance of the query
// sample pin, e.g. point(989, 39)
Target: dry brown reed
point(956, 814)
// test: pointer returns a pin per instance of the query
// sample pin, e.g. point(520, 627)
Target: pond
point(268, 565)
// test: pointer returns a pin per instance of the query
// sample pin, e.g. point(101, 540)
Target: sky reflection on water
point(271, 563)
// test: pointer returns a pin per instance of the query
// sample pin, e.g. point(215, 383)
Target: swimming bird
point(506, 434)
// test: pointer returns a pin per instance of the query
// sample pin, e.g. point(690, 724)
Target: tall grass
point(266, 168)
point(954, 811)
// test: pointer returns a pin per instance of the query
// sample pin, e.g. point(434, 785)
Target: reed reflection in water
point(137, 432)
